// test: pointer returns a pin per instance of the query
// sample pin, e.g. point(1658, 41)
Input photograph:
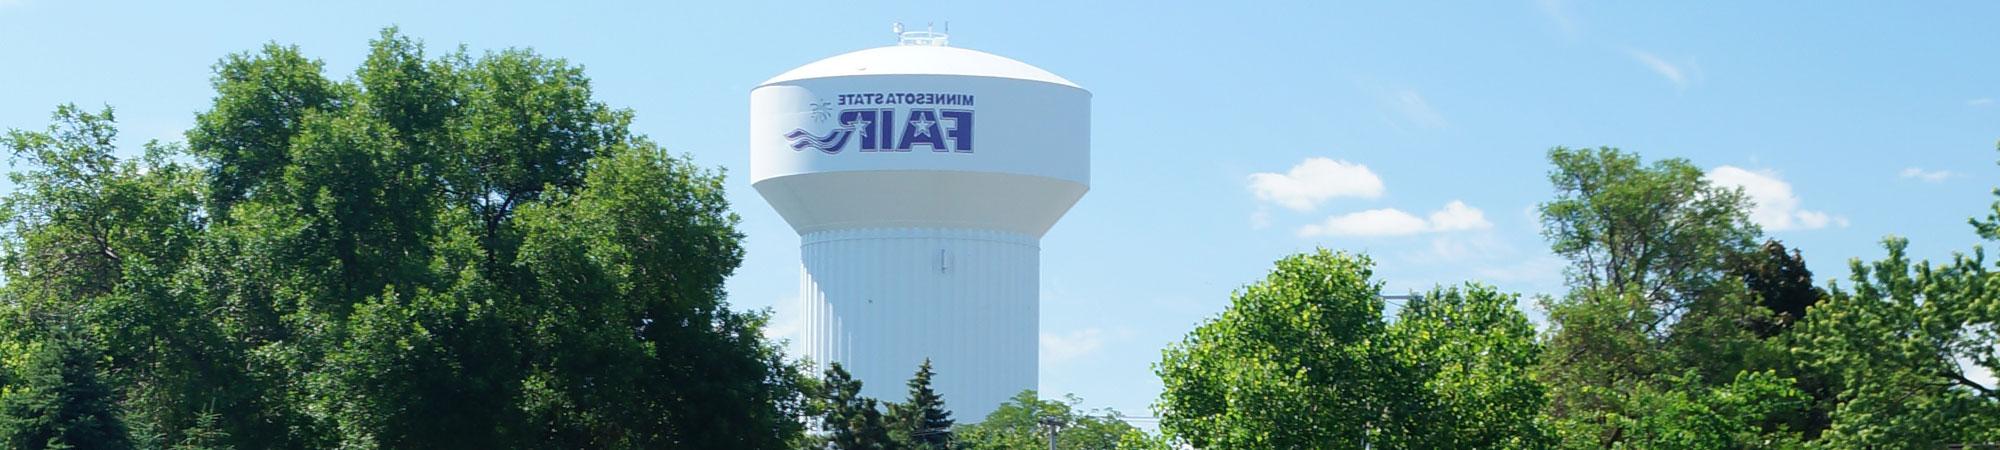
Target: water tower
point(920, 178)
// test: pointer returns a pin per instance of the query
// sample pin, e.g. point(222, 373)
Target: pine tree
point(60, 402)
point(854, 422)
point(923, 417)
point(205, 435)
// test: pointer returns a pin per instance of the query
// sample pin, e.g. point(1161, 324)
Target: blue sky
point(1225, 135)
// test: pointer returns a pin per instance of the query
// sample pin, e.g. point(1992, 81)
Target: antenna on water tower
point(929, 37)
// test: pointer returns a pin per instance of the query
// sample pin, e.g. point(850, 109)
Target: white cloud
point(1933, 176)
point(1075, 344)
point(1374, 222)
point(1979, 102)
point(1455, 216)
point(1678, 74)
point(1314, 181)
point(1776, 209)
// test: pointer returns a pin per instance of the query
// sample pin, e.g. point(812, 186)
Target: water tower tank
point(920, 178)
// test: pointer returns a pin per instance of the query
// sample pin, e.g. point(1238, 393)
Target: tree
point(1659, 302)
point(1017, 424)
point(1898, 343)
point(60, 400)
point(1304, 359)
point(98, 242)
point(1782, 283)
point(923, 417)
point(1680, 411)
point(1296, 361)
point(449, 252)
point(1659, 232)
point(1476, 354)
point(853, 422)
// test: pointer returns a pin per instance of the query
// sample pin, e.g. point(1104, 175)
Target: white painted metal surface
point(921, 179)
point(880, 300)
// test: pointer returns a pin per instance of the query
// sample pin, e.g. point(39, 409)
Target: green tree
point(1476, 354)
point(101, 243)
point(1782, 283)
point(1660, 232)
point(1653, 295)
point(923, 417)
point(1305, 359)
point(852, 421)
point(1898, 342)
point(1680, 412)
point(1296, 361)
point(206, 435)
point(1017, 424)
point(449, 252)
point(60, 400)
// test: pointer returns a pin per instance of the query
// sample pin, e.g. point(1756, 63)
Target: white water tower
point(920, 178)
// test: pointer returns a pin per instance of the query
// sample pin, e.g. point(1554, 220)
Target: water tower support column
point(965, 298)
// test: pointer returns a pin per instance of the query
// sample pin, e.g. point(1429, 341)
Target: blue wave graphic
point(830, 144)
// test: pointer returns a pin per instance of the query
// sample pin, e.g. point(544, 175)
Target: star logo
point(860, 127)
point(923, 126)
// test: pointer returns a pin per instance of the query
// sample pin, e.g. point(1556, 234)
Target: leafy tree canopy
point(463, 251)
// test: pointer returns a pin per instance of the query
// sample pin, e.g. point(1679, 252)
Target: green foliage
point(59, 401)
point(1476, 354)
point(1666, 312)
point(453, 252)
point(1782, 283)
point(1658, 231)
point(853, 422)
point(1304, 359)
point(923, 417)
point(1675, 412)
point(1295, 361)
point(206, 435)
point(1017, 425)
point(1894, 341)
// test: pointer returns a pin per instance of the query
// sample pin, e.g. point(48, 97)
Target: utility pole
point(1055, 425)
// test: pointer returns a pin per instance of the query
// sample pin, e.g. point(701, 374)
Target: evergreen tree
point(1779, 278)
point(853, 422)
point(205, 435)
point(60, 401)
point(923, 417)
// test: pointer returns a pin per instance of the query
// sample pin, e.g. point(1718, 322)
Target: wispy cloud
point(786, 325)
point(1681, 75)
point(1543, 269)
point(1413, 107)
point(1560, 12)
point(1408, 108)
point(1776, 208)
point(1072, 345)
point(1314, 181)
point(1979, 102)
point(1931, 176)
point(1455, 216)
